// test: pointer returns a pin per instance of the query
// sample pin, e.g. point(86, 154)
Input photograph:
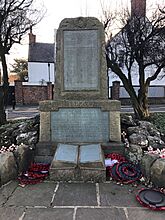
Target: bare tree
point(140, 44)
point(16, 18)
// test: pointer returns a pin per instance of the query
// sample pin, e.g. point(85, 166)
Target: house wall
point(39, 72)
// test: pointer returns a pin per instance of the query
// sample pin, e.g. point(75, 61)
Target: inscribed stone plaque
point(90, 153)
point(66, 153)
point(80, 125)
point(81, 60)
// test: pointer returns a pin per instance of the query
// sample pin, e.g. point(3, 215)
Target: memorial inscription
point(81, 55)
point(78, 125)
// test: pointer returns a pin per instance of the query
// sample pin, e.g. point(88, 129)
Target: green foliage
point(158, 119)
point(21, 68)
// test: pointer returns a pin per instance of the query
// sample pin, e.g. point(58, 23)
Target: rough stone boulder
point(137, 130)
point(23, 157)
point(146, 163)
point(28, 138)
point(10, 132)
point(127, 121)
point(134, 153)
point(155, 142)
point(138, 139)
point(8, 167)
point(158, 172)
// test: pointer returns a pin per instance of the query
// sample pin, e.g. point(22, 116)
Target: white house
point(137, 7)
point(41, 61)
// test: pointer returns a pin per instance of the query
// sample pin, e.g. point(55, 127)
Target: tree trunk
point(5, 84)
point(2, 109)
point(4, 90)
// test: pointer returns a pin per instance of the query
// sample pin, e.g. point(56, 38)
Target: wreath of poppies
point(123, 171)
point(36, 173)
point(152, 199)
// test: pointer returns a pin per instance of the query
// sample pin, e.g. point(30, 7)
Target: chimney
point(138, 8)
point(32, 37)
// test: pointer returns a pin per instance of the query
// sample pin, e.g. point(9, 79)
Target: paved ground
point(152, 108)
point(21, 112)
point(72, 201)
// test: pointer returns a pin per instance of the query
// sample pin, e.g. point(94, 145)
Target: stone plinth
point(80, 121)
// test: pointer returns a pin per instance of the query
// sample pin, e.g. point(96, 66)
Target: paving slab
point(144, 214)
point(49, 213)
point(6, 191)
point(76, 194)
point(100, 214)
point(112, 194)
point(32, 195)
point(11, 213)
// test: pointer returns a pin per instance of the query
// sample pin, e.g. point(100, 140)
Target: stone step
point(113, 147)
point(45, 149)
point(43, 159)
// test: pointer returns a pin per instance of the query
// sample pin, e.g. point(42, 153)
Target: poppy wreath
point(114, 174)
point(125, 172)
point(114, 156)
point(152, 199)
point(35, 174)
point(128, 172)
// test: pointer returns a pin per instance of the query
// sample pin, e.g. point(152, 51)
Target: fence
point(156, 94)
point(32, 94)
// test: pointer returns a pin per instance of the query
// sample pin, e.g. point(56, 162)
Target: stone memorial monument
point(81, 113)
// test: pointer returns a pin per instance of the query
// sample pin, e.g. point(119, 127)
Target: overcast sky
point(60, 9)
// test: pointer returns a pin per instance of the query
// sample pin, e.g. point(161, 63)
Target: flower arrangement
point(159, 152)
point(11, 148)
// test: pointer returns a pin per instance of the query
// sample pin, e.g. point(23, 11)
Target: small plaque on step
point(91, 163)
point(78, 163)
point(65, 156)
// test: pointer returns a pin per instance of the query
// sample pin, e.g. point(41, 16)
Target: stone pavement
point(73, 201)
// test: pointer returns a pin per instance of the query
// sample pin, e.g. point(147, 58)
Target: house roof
point(41, 52)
